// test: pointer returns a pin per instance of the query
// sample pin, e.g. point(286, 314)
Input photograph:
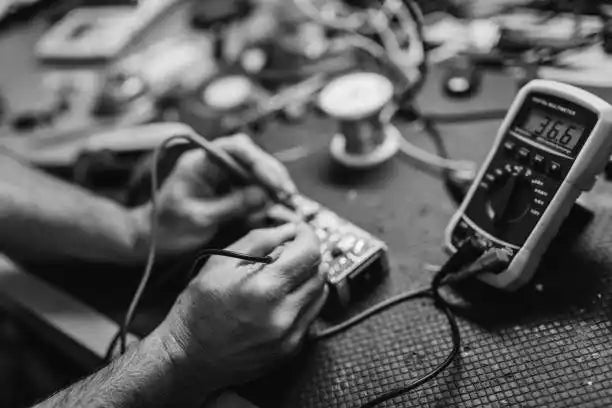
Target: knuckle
point(198, 219)
point(172, 208)
point(265, 287)
point(312, 255)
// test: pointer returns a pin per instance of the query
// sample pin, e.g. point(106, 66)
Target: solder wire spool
point(359, 101)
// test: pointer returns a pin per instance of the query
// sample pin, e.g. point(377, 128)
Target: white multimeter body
point(553, 142)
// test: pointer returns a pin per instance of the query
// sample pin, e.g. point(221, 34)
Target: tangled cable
point(470, 252)
point(121, 335)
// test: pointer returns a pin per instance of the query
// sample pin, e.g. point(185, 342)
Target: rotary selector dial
point(509, 197)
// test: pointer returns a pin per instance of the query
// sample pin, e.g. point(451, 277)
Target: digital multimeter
point(551, 145)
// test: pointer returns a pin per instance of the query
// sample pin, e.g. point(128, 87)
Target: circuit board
point(352, 259)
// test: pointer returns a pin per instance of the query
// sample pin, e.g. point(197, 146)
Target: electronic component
point(553, 142)
point(99, 33)
point(352, 260)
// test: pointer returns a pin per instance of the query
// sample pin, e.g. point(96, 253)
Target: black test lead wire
point(129, 316)
point(472, 258)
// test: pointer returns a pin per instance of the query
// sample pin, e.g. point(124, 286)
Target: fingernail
point(255, 197)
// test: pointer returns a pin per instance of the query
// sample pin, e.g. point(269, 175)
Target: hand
point(237, 319)
point(190, 209)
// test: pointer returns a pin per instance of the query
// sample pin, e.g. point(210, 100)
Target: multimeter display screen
point(552, 130)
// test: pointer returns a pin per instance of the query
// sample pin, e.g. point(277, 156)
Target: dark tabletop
point(549, 344)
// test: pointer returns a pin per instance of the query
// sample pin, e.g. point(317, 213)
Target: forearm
point(149, 375)
point(47, 218)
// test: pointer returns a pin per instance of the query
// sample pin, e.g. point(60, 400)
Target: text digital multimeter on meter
point(552, 143)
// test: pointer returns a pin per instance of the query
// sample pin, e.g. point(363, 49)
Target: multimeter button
point(554, 169)
point(539, 163)
point(523, 155)
point(509, 146)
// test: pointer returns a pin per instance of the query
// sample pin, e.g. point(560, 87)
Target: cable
point(129, 316)
point(447, 270)
point(392, 53)
point(433, 160)
point(205, 253)
point(456, 340)
point(471, 259)
point(455, 185)
point(351, 23)
point(353, 321)
point(417, 16)
point(152, 245)
point(377, 21)
point(469, 251)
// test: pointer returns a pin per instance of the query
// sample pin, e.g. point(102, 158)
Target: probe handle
point(243, 175)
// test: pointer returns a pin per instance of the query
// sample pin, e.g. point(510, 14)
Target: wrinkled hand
point(190, 209)
point(237, 319)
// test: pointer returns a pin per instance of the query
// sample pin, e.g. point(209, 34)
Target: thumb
point(237, 203)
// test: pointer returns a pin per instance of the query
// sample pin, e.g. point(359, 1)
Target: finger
point(299, 258)
point(265, 167)
point(237, 203)
point(264, 241)
point(202, 174)
point(192, 163)
point(311, 299)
